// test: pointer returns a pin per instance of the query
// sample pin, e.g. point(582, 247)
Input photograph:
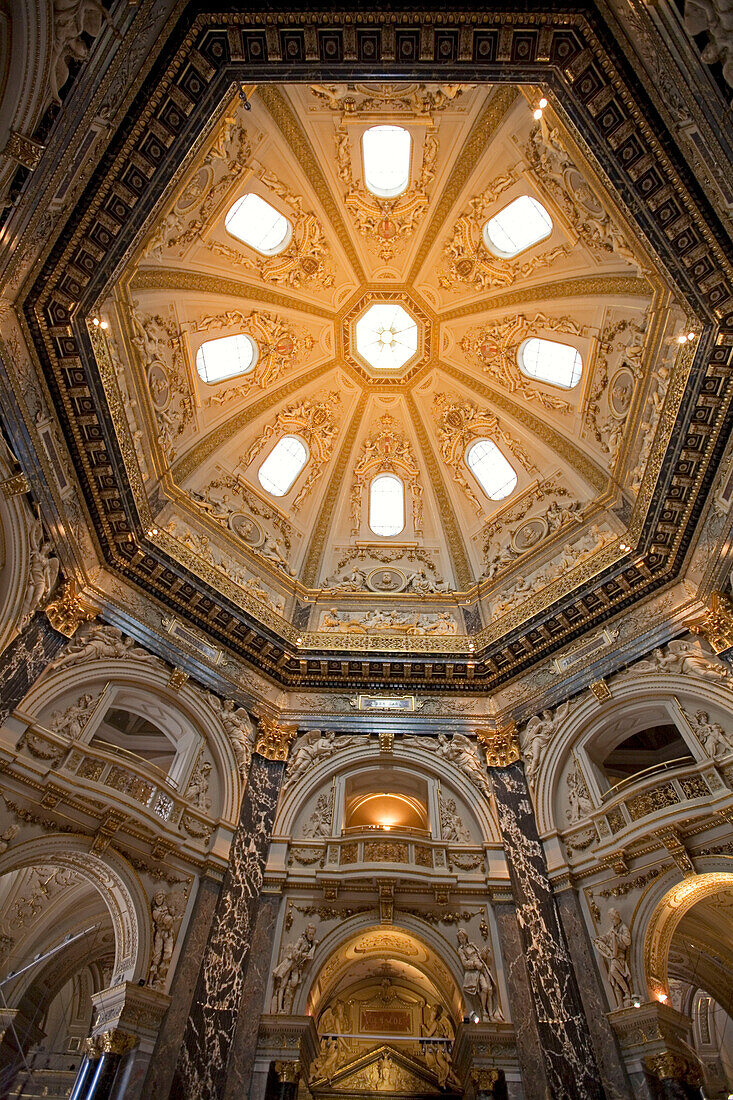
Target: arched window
point(492, 471)
point(386, 505)
point(259, 225)
point(650, 750)
point(549, 361)
point(226, 357)
point(386, 154)
point(283, 464)
point(520, 224)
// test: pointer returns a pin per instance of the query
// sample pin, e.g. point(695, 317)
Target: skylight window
point(549, 361)
point(258, 224)
point(386, 336)
point(520, 224)
point(386, 505)
point(227, 357)
point(492, 471)
point(386, 152)
point(283, 464)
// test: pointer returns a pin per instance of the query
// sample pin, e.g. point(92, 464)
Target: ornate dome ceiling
point(390, 371)
point(388, 335)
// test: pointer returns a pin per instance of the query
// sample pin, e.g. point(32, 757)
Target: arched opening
point(126, 733)
point(648, 751)
point(386, 800)
point(387, 505)
point(386, 152)
point(278, 472)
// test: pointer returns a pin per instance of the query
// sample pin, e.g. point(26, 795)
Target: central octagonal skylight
point(386, 336)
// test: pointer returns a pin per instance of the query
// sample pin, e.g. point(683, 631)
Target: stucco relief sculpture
point(71, 722)
point(683, 655)
point(451, 826)
point(73, 21)
point(715, 17)
point(334, 1049)
point(386, 451)
point(198, 786)
point(437, 1025)
point(238, 728)
point(43, 571)
point(310, 749)
point(7, 836)
point(711, 735)
point(388, 622)
point(614, 947)
point(478, 978)
point(288, 974)
point(319, 822)
point(579, 801)
point(164, 920)
point(97, 642)
point(279, 345)
point(536, 737)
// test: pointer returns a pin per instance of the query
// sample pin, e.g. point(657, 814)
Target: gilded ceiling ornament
point(555, 517)
point(67, 611)
point(386, 224)
point(409, 623)
point(363, 99)
point(467, 260)
point(494, 348)
point(278, 347)
point(501, 745)
point(387, 451)
point(318, 424)
point(274, 738)
point(458, 423)
point(305, 261)
point(561, 179)
point(607, 405)
point(156, 340)
point(717, 624)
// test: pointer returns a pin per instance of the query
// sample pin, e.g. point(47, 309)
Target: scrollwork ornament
point(501, 745)
point(67, 611)
point(274, 739)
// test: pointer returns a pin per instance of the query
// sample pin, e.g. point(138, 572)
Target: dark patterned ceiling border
point(576, 61)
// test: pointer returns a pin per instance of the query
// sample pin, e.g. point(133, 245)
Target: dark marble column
point(103, 1067)
point(202, 1063)
point(168, 1044)
point(25, 659)
point(526, 1034)
point(244, 1046)
point(615, 1080)
point(570, 1064)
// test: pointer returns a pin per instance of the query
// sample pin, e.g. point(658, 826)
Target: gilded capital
point(113, 1041)
point(717, 623)
point(484, 1078)
point(671, 1064)
point(67, 611)
point(287, 1072)
point(501, 745)
point(274, 738)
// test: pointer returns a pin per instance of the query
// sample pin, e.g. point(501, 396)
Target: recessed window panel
point(283, 464)
point(258, 224)
point(226, 357)
point(550, 361)
point(520, 224)
point(386, 152)
point(386, 505)
point(494, 474)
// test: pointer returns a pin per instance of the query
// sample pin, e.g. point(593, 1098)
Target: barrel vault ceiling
point(611, 474)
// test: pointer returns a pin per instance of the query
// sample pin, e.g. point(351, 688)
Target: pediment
point(385, 1070)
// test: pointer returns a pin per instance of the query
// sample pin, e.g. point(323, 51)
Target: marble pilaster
point(526, 1034)
point(165, 1055)
point(23, 661)
point(570, 1064)
point(252, 1005)
point(210, 1030)
point(605, 1043)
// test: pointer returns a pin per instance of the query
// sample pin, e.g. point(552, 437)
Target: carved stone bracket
point(126, 1014)
point(717, 623)
point(501, 745)
point(67, 611)
point(274, 739)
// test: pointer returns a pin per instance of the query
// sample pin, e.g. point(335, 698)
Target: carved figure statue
point(272, 549)
point(72, 19)
point(478, 979)
point(332, 1024)
point(288, 974)
point(198, 787)
point(72, 721)
point(312, 747)
point(614, 947)
point(7, 836)
point(537, 735)
point(437, 1055)
point(461, 752)
point(579, 802)
point(96, 642)
point(451, 825)
point(238, 728)
point(711, 735)
point(684, 656)
point(163, 935)
point(43, 571)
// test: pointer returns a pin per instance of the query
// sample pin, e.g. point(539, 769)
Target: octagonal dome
point(386, 336)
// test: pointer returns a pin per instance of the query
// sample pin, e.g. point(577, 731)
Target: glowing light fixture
point(386, 336)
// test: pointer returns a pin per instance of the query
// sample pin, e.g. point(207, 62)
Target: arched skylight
point(386, 152)
point(549, 361)
point(283, 464)
point(226, 357)
point(520, 224)
point(492, 471)
point(386, 505)
point(258, 224)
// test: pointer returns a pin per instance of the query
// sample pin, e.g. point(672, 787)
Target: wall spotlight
point(682, 338)
point(662, 998)
point(104, 325)
point(474, 1018)
point(95, 321)
point(538, 113)
point(636, 1000)
point(690, 335)
point(542, 103)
